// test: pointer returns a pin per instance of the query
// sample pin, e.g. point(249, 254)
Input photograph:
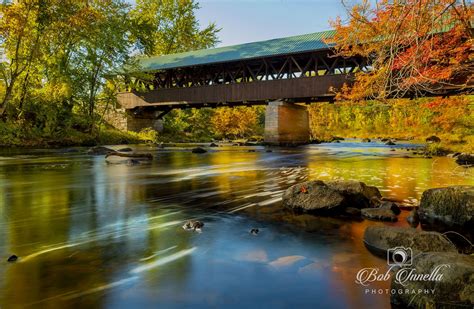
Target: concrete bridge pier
point(139, 121)
point(286, 124)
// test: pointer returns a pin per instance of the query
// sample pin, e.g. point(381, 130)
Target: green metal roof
point(288, 45)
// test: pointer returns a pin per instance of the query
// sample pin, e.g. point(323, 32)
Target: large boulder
point(455, 289)
point(453, 206)
point(378, 239)
point(330, 196)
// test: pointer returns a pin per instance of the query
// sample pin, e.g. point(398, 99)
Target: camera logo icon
point(399, 256)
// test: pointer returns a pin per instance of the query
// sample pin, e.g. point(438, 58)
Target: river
point(104, 235)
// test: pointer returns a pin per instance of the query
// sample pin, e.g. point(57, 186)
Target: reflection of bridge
point(279, 72)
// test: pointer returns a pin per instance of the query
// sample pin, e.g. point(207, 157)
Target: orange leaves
point(303, 189)
point(235, 122)
point(414, 46)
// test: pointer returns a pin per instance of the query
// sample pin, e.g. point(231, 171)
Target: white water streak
point(243, 207)
point(158, 253)
point(92, 239)
point(163, 261)
point(101, 288)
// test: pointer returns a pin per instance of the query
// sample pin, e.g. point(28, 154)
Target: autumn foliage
point(413, 47)
point(448, 118)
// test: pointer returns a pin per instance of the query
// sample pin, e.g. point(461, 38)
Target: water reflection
point(92, 234)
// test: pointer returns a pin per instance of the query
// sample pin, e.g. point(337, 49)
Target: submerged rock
point(366, 140)
point(126, 149)
point(254, 231)
point(128, 158)
point(378, 239)
point(100, 150)
point(450, 205)
point(198, 150)
point(132, 162)
point(70, 150)
point(465, 159)
point(351, 211)
point(379, 214)
point(455, 289)
point(331, 196)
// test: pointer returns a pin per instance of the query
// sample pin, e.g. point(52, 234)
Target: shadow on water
point(92, 234)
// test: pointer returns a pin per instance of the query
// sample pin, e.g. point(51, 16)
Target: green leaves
point(169, 26)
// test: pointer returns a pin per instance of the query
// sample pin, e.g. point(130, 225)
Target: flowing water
point(89, 233)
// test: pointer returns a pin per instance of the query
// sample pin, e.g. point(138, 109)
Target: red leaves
point(303, 189)
point(414, 46)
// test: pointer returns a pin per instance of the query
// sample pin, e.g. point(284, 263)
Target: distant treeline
point(451, 119)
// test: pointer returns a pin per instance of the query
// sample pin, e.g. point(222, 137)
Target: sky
point(245, 21)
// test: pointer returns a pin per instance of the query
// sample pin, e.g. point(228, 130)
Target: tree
point(104, 47)
point(170, 26)
point(21, 26)
point(414, 47)
point(61, 50)
point(235, 122)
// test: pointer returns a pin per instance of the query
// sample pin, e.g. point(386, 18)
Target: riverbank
point(12, 135)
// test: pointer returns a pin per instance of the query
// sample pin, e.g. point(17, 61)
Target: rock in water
point(128, 158)
point(12, 258)
point(213, 145)
point(392, 206)
point(193, 225)
point(453, 206)
point(353, 212)
point(455, 289)
point(413, 219)
point(133, 162)
point(254, 231)
point(366, 140)
point(390, 143)
point(127, 149)
point(100, 150)
point(331, 196)
point(465, 159)
point(198, 150)
point(433, 139)
point(378, 239)
point(379, 214)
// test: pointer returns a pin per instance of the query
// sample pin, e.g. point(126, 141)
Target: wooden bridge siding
point(293, 88)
